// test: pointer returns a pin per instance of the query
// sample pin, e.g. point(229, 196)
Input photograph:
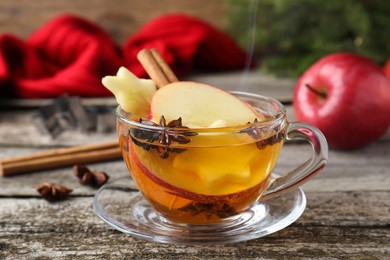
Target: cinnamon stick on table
point(60, 158)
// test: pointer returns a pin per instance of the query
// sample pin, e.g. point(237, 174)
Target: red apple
point(347, 97)
point(387, 68)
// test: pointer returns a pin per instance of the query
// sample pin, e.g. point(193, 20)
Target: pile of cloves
point(55, 192)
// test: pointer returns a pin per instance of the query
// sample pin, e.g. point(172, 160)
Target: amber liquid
point(201, 185)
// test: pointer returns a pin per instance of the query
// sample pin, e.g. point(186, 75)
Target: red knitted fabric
point(185, 43)
point(70, 55)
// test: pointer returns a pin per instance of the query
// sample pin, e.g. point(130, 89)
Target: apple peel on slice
point(133, 94)
point(182, 184)
point(200, 105)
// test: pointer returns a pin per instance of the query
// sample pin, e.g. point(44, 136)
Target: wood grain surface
point(335, 225)
point(347, 214)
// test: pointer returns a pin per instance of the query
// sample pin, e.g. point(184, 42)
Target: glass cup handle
point(305, 171)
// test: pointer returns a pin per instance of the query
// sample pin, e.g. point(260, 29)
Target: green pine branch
point(292, 34)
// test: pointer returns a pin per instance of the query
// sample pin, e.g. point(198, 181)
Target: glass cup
point(211, 175)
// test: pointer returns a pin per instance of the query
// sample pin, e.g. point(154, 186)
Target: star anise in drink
point(257, 133)
point(253, 131)
point(222, 210)
point(173, 131)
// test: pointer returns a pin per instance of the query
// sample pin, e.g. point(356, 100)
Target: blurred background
point(119, 18)
point(293, 34)
point(289, 35)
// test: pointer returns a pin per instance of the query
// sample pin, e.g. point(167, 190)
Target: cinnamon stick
point(60, 158)
point(170, 75)
point(156, 67)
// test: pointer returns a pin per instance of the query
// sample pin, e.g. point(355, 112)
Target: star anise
point(86, 177)
point(173, 131)
point(253, 131)
point(222, 210)
point(53, 192)
point(257, 133)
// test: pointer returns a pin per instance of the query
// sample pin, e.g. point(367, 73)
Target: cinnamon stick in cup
point(156, 67)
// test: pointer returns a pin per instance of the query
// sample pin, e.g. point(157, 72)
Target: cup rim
point(120, 114)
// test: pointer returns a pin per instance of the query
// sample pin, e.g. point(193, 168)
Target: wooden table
point(347, 214)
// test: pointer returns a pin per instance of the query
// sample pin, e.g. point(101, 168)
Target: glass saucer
point(122, 206)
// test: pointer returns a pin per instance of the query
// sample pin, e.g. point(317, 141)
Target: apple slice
point(185, 185)
point(132, 94)
point(211, 166)
point(200, 105)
